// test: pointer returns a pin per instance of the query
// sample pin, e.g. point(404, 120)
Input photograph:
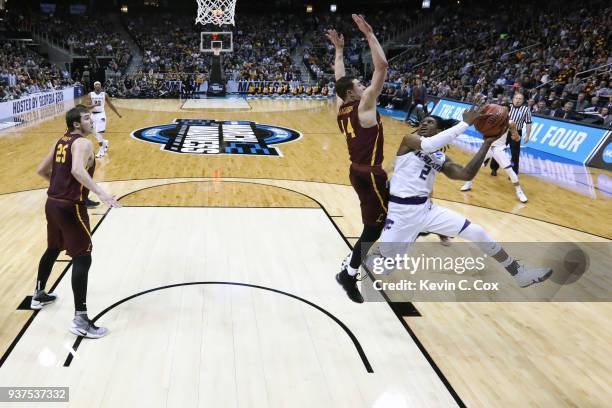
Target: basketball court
point(216, 277)
point(230, 260)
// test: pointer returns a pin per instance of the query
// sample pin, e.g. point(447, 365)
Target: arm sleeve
point(436, 142)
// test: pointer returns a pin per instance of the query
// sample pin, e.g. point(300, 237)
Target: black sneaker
point(41, 299)
point(91, 203)
point(349, 283)
point(494, 172)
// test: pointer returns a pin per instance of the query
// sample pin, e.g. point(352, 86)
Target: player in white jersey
point(411, 211)
point(98, 99)
point(498, 152)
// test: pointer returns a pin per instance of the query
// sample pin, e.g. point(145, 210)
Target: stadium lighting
point(124, 8)
point(426, 4)
point(309, 8)
point(333, 8)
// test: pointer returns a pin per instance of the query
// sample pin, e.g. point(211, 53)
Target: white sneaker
point(105, 144)
point(83, 327)
point(528, 275)
point(467, 186)
point(521, 195)
point(101, 152)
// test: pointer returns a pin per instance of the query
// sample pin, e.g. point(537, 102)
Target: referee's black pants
point(515, 152)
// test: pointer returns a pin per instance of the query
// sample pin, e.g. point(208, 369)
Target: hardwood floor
point(493, 354)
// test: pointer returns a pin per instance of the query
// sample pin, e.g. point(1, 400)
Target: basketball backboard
point(223, 40)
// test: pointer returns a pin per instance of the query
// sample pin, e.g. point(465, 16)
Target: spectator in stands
point(581, 102)
point(531, 104)
point(400, 98)
point(541, 109)
point(593, 106)
point(605, 90)
point(566, 113)
point(552, 99)
point(574, 87)
point(386, 95)
point(606, 116)
point(542, 95)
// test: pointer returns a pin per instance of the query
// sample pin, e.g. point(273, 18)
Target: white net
point(216, 12)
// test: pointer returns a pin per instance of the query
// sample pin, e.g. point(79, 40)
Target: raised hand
point(363, 26)
point(470, 115)
point(335, 38)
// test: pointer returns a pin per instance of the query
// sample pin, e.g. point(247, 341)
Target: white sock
point(351, 271)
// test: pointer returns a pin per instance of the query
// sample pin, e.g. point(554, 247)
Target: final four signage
point(208, 136)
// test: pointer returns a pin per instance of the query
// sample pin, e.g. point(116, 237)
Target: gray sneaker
point(41, 299)
point(83, 327)
point(528, 275)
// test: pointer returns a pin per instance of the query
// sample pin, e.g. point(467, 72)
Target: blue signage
point(607, 153)
point(569, 140)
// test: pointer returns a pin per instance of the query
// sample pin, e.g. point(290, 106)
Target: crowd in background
point(262, 47)
point(99, 37)
point(318, 52)
point(24, 72)
point(478, 58)
point(549, 54)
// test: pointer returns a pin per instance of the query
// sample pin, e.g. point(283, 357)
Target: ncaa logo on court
point(209, 136)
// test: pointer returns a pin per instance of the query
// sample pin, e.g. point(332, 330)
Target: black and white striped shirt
point(520, 115)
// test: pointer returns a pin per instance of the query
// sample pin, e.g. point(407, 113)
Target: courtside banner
point(603, 156)
point(569, 140)
point(34, 102)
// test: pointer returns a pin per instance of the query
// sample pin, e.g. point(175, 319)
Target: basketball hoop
point(216, 12)
point(216, 51)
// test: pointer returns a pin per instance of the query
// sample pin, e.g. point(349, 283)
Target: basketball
point(494, 120)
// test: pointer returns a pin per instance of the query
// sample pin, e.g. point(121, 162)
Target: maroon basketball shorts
point(68, 227)
point(370, 184)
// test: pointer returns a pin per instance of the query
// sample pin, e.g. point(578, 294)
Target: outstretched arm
point(339, 71)
point(368, 99)
point(338, 41)
point(434, 143)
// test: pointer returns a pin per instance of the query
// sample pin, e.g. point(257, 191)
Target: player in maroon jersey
point(69, 167)
point(360, 123)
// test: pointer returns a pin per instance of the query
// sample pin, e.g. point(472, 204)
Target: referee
point(519, 114)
